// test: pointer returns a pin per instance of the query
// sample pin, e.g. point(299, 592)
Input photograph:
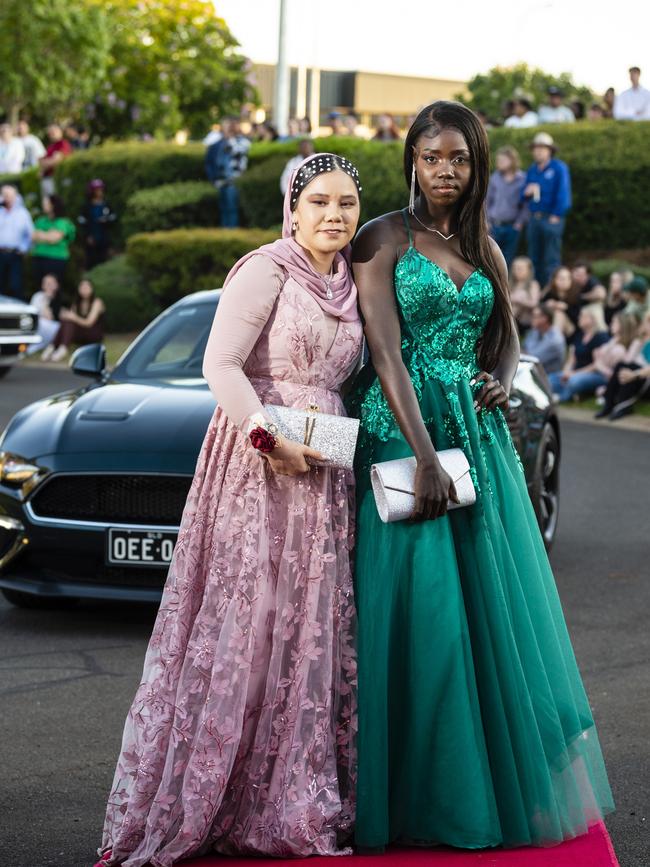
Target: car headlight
point(16, 471)
point(26, 322)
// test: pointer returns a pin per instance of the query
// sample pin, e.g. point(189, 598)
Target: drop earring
point(294, 227)
point(412, 196)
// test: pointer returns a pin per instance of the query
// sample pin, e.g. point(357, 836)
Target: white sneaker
point(47, 353)
point(60, 353)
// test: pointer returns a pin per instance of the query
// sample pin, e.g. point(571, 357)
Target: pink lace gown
point(240, 738)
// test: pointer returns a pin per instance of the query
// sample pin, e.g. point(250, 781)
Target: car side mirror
point(89, 360)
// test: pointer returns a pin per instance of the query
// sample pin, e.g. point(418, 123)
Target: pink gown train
point(240, 738)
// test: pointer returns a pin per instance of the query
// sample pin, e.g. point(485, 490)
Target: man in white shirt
point(523, 116)
point(12, 152)
point(305, 149)
point(555, 111)
point(34, 147)
point(634, 103)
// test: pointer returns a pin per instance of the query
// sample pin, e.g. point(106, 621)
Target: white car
point(18, 324)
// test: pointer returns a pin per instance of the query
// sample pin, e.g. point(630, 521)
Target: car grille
point(157, 500)
point(12, 323)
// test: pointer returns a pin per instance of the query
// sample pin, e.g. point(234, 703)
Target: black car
point(93, 481)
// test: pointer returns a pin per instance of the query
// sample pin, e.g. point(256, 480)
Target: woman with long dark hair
point(82, 323)
point(474, 727)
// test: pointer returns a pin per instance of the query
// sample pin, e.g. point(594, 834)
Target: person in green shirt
point(53, 234)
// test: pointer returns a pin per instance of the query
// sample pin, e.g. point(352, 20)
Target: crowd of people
point(590, 338)
point(21, 149)
point(520, 111)
point(35, 252)
point(533, 204)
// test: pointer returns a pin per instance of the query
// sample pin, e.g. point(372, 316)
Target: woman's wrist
point(263, 435)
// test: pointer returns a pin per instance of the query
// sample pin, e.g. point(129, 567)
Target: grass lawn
point(115, 345)
point(588, 404)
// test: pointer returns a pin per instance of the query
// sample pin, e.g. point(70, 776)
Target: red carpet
point(593, 850)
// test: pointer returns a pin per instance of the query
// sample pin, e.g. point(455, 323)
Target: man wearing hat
point(547, 191)
point(555, 111)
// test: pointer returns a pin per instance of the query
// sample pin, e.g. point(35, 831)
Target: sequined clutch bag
point(334, 436)
point(393, 484)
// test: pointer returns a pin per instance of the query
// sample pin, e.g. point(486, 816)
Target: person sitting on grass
point(47, 303)
point(82, 323)
point(636, 292)
point(630, 379)
point(581, 373)
point(545, 341)
point(561, 296)
point(616, 298)
point(524, 292)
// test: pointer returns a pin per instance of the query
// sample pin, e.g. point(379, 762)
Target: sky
point(595, 41)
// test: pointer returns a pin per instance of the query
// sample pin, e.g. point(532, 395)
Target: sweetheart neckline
point(440, 269)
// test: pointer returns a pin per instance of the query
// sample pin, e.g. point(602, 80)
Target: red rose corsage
point(262, 440)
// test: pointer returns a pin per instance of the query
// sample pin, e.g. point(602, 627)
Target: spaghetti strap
point(408, 227)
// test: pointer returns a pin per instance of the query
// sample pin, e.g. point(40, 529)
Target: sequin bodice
point(441, 324)
point(441, 327)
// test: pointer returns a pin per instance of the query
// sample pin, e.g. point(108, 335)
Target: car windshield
point(173, 347)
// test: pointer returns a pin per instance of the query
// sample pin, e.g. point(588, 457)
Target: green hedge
point(126, 168)
point(609, 162)
point(173, 264)
point(128, 306)
point(603, 268)
point(171, 206)
point(378, 164)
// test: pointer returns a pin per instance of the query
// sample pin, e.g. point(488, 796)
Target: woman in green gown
point(474, 726)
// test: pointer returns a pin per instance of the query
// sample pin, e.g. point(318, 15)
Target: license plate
point(139, 547)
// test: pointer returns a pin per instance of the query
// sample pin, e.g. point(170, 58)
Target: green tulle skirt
point(474, 726)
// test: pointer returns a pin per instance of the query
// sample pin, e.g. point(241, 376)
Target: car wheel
point(31, 600)
point(4, 371)
point(545, 492)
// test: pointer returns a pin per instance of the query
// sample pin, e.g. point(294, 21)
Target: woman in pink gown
point(240, 738)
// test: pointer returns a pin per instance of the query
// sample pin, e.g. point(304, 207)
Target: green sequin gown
point(474, 726)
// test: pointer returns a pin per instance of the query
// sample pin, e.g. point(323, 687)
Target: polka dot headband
point(318, 165)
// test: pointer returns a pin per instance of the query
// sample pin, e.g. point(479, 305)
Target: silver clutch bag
point(393, 484)
point(334, 436)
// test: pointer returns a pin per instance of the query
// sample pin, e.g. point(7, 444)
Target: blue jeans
point(507, 237)
point(229, 205)
point(11, 274)
point(545, 246)
point(580, 383)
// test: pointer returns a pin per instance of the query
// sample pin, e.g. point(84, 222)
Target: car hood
point(114, 418)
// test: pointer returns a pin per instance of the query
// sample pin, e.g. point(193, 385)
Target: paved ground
point(67, 677)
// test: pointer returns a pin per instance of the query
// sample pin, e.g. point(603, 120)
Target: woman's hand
point(625, 376)
point(434, 487)
point(290, 458)
point(491, 394)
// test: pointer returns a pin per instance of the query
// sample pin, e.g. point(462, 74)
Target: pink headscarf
point(287, 253)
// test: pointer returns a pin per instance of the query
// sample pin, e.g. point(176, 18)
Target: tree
point(488, 91)
point(174, 65)
point(53, 54)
